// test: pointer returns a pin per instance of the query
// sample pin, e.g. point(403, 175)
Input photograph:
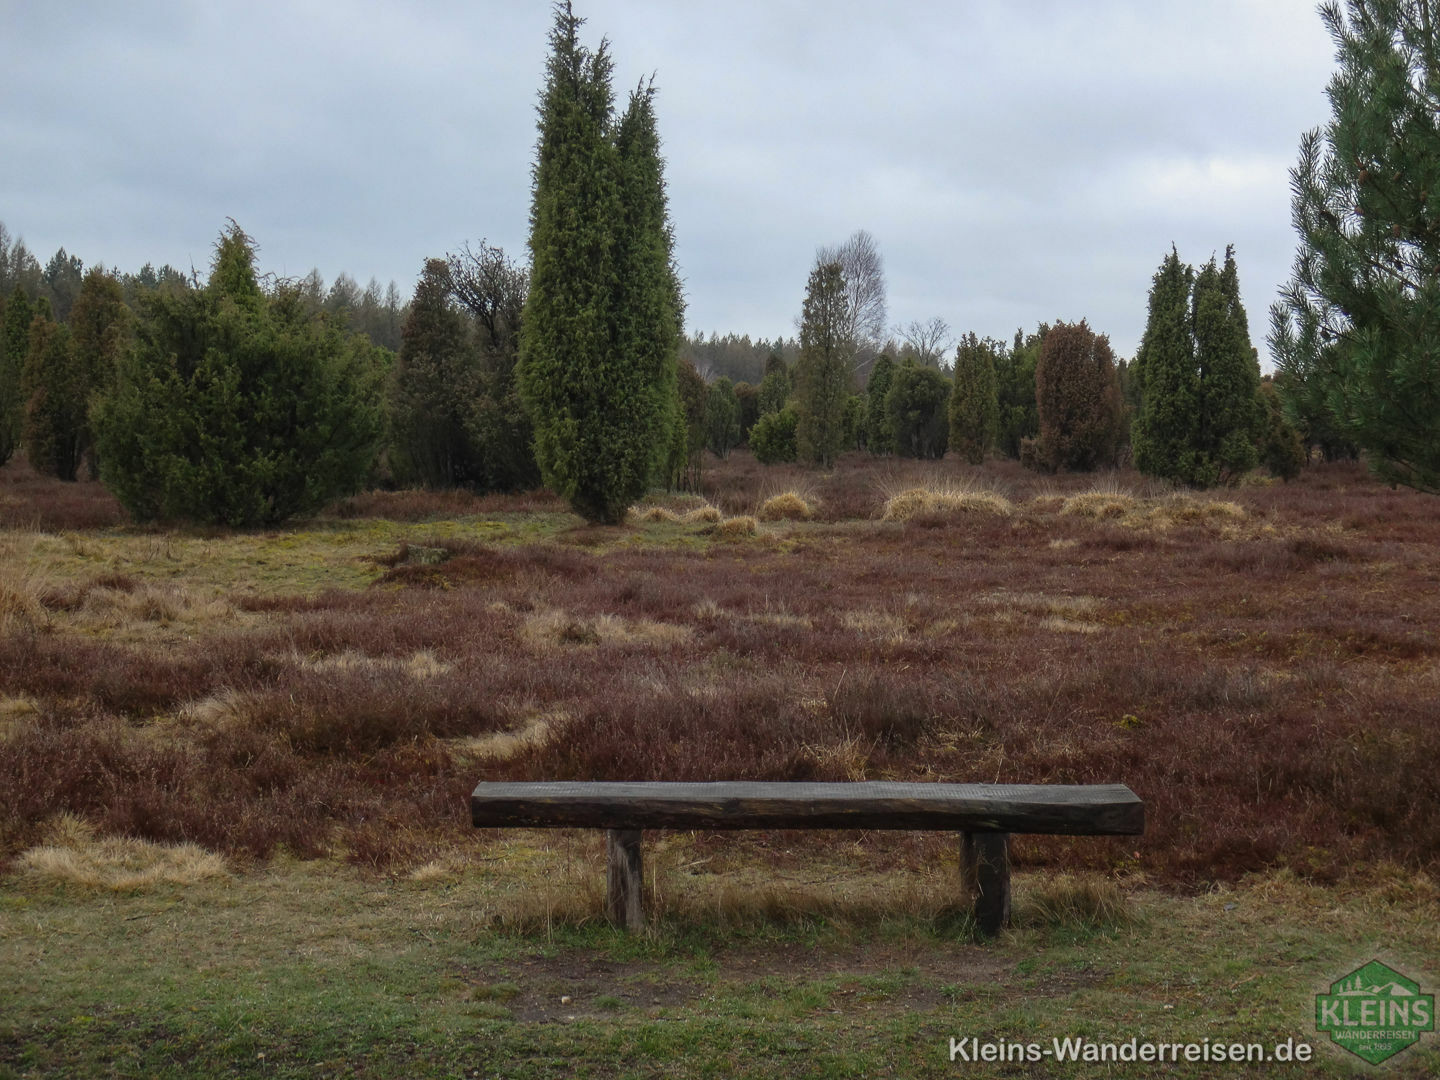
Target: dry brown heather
point(1263, 667)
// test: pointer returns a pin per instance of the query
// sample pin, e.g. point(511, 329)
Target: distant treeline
point(376, 311)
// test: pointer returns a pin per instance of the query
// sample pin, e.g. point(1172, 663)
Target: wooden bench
point(984, 814)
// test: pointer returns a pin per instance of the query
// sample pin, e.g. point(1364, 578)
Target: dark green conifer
point(773, 439)
point(56, 397)
point(722, 418)
point(1077, 399)
point(1015, 378)
point(238, 408)
point(774, 389)
point(974, 399)
point(822, 373)
point(1199, 418)
point(879, 436)
point(601, 326)
point(433, 389)
point(1163, 434)
point(100, 324)
point(1229, 369)
point(916, 407)
point(14, 346)
point(1357, 331)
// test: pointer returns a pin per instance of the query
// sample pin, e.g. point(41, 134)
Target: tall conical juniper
point(601, 325)
point(1200, 412)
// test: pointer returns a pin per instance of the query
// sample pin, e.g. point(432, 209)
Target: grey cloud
point(1016, 162)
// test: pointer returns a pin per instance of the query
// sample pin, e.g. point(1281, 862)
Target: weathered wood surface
point(624, 879)
point(1076, 810)
point(985, 876)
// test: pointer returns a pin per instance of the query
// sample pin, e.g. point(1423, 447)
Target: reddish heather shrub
point(48, 504)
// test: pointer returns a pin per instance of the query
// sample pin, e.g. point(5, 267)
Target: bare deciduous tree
point(492, 288)
point(864, 272)
point(928, 342)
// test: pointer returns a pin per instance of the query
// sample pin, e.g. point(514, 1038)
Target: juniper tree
point(56, 397)
point(1357, 330)
point(774, 390)
point(1162, 435)
point(100, 324)
point(1015, 379)
point(1077, 398)
point(773, 438)
point(879, 436)
point(974, 399)
point(722, 417)
point(1231, 417)
point(601, 324)
point(235, 407)
point(748, 395)
point(916, 409)
point(822, 373)
point(650, 301)
point(686, 458)
point(433, 389)
point(14, 345)
point(1200, 415)
point(1281, 451)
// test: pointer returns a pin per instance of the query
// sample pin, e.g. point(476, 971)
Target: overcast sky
point(1015, 161)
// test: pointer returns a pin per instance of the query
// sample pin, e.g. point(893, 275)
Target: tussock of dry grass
point(651, 514)
point(224, 708)
point(735, 528)
point(786, 506)
point(74, 857)
point(20, 608)
point(420, 665)
point(849, 756)
point(781, 617)
point(1070, 900)
point(696, 515)
point(504, 745)
point(706, 514)
point(555, 628)
point(1167, 511)
point(1100, 505)
point(943, 499)
point(1062, 625)
point(881, 624)
point(20, 705)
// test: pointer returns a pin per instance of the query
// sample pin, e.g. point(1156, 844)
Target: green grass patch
point(304, 970)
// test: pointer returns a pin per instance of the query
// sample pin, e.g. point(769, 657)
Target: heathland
point(234, 769)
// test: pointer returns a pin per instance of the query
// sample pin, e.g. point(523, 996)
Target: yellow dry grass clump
point(504, 745)
point(651, 515)
point(1099, 505)
point(1071, 900)
point(944, 499)
point(1178, 508)
point(20, 607)
point(786, 506)
point(553, 628)
point(735, 528)
point(73, 856)
point(420, 665)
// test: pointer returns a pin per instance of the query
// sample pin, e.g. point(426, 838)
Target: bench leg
point(985, 874)
point(624, 876)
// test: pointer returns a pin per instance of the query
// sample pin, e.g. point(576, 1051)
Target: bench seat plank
point(1058, 809)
